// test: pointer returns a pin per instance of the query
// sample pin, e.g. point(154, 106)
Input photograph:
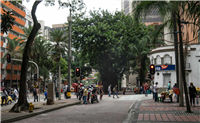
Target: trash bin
point(69, 94)
point(148, 91)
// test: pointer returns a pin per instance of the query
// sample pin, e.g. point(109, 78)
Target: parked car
point(9, 99)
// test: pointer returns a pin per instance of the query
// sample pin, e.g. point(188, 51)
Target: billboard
point(164, 67)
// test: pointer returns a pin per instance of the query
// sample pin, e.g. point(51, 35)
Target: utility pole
point(69, 50)
point(59, 90)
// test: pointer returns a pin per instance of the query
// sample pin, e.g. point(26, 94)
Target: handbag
point(197, 100)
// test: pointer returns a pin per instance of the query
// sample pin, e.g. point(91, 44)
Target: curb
point(38, 113)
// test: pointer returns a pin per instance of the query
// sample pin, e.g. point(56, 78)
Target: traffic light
point(78, 72)
point(149, 76)
point(8, 58)
point(152, 69)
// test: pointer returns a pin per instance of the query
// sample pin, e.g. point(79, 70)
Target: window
point(2, 71)
point(152, 60)
point(158, 60)
point(2, 49)
point(3, 39)
point(167, 59)
point(29, 23)
point(8, 71)
point(15, 72)
point(166, 79)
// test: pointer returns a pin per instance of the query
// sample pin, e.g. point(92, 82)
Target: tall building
point(153, 17)
point(42, 27)
point(16, 31)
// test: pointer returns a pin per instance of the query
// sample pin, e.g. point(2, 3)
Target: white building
point(164, 60)
point(42, 27)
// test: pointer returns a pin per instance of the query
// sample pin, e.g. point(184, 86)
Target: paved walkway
point(150, 111)
point(40, 108)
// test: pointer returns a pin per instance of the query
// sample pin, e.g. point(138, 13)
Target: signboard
point(164, 67)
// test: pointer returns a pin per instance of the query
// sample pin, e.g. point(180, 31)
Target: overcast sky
point(52, 15)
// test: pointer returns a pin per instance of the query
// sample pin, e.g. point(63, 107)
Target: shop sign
point(164, 67)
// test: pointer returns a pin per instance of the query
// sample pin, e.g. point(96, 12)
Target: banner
point(164, 67)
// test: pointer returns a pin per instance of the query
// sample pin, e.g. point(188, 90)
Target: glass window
point(8, 71)
point(2, 71)
point(158, 60)
point(2, 49)
point(167, 59)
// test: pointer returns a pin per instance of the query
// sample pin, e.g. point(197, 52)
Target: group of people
point(8, 92)
point(84, 93)
point(115, 91)
point(192, 92)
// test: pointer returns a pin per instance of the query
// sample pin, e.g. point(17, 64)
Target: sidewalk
point(39, 108)
point(149, 111)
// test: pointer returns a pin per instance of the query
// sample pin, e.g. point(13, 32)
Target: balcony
point(14, 77)
point(14, 7)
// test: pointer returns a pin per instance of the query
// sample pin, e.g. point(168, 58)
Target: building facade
point(164, 60)
point(22, 19)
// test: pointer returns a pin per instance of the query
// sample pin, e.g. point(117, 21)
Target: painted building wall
point(192, 64)
point(16, 31)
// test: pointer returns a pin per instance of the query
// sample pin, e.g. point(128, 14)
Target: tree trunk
point(22, 103)
point(183, 66)
point(176, 49)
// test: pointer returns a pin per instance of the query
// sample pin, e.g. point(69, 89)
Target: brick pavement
point(40, 108)
point(150, 111)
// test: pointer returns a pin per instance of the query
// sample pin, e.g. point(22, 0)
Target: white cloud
point(52, 15)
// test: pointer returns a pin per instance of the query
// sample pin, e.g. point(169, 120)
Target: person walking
point(89, 91)
point(155, 91)
point(192, 93)
point(152, 89)
point(109, 90)
point(174, 87)
point(85, 94)
point(115, 92)
point(141, 90)
point(101, 93)
point(146, 89)
point(169, 86)
point(16, 92)
point(35, 95)
point(66, 86)
point(45, 94)
point(4, 98)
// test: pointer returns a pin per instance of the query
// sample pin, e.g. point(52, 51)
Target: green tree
point(104, 40)
point(7, 21)
point(22, 103)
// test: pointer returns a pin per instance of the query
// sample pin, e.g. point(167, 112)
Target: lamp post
point(69, 50)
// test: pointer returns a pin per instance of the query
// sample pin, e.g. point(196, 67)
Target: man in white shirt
point(109, 90)
point(66, 86)
point(155, 91)
point(16, 92)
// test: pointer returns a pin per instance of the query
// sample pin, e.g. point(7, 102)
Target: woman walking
point(192, 93)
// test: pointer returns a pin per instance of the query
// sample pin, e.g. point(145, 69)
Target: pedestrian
point(152, 89)
point(101, 93)
point(85, 93)
point(124, 90)
point(4, 97)
point(146, 89)
point(156, 91)
point(89, 91)
point(192, 93)
point(115, 92)
point(16, 92)
point(174, 87)
point(169, 86)
point(81, 93)
point(66, 86)
point(35, 95)
point(45, 94)
point(141, 90)
point(109, 90)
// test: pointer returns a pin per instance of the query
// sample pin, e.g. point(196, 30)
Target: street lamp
point(69, 50)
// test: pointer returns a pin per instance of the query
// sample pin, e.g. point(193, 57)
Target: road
point(108, 110)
